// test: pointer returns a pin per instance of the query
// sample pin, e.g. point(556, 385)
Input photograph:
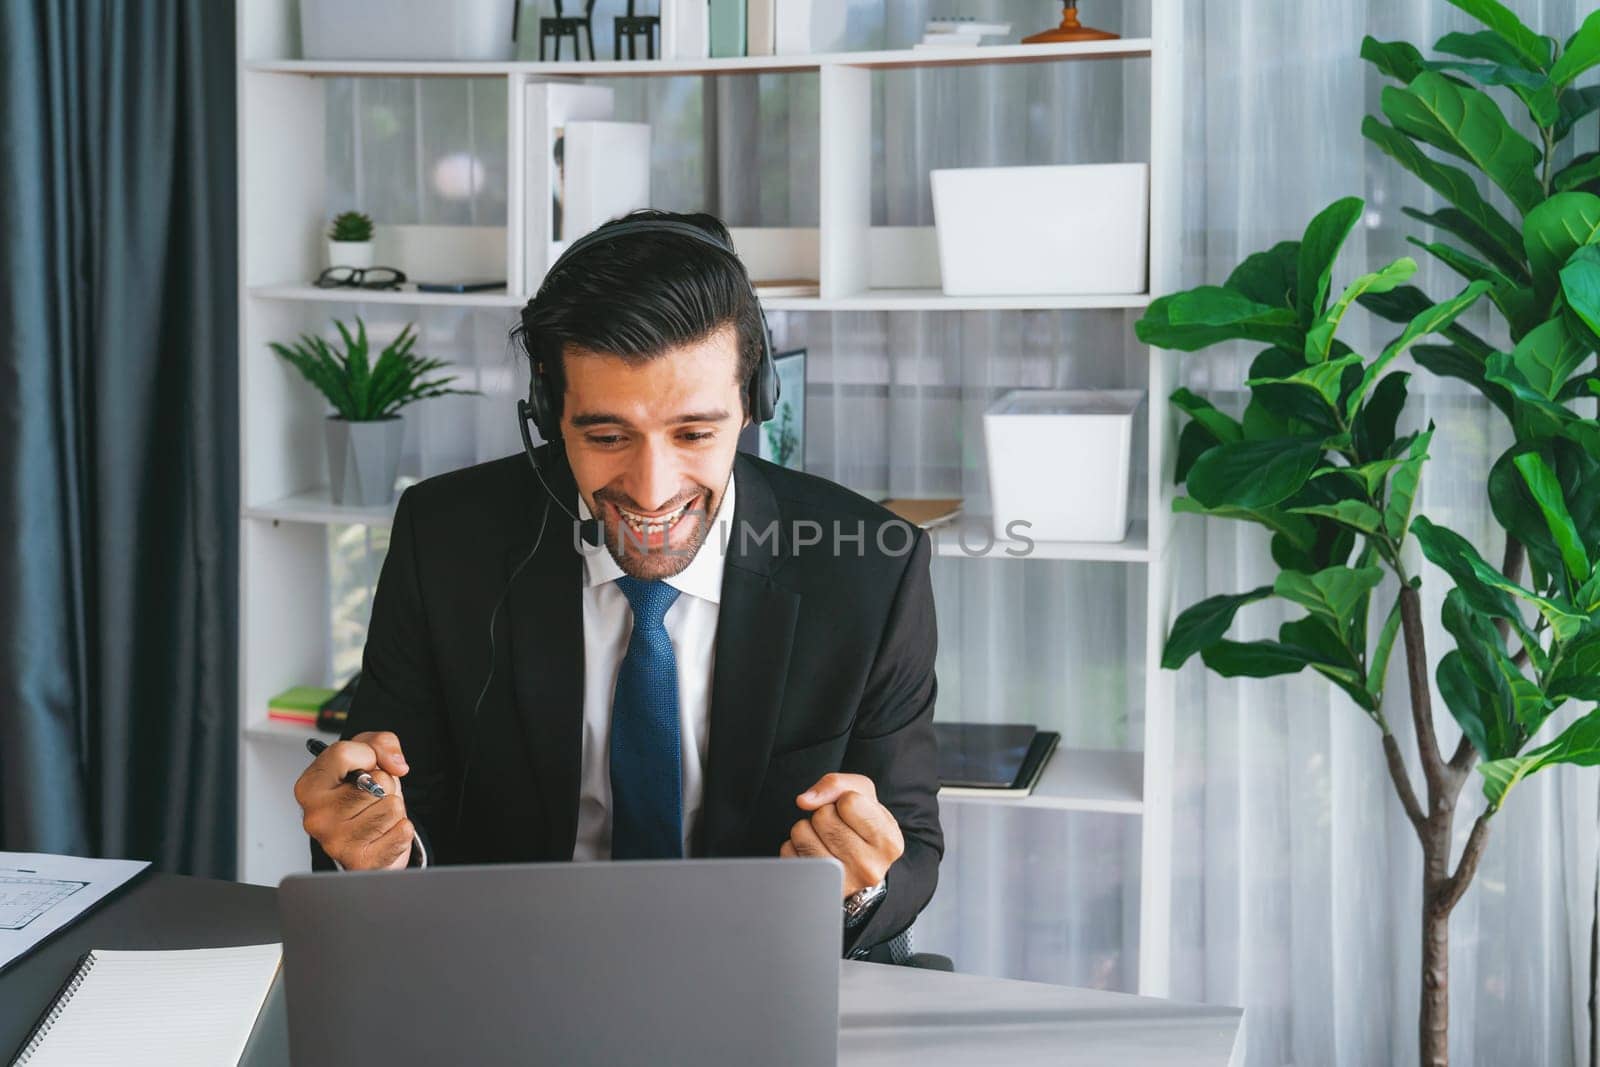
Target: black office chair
point(898, 951)
point(563, 25)
point(633, 26)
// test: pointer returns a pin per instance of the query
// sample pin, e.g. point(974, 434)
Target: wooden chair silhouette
point(633, 26)
point(563, 25)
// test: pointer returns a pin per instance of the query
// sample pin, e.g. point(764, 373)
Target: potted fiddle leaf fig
point(350, 240)
point(1317, 456)
point(365, 432)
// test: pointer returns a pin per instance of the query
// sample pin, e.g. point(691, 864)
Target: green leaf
point(1297, 530)
point(1268, 277)
point(1397, 59)
point(1455, 222)
point(1403, 488)
point(1196, 318)
point(1578, 744)
point(1466, 123)
point(1454, 184)
point(1546, 490)
point(1580, 286)
point(1319, 339)
point(1378, 665)
point(1512, 706)
point(1452, 361)
point(1194, 440)
point(1582, 52)
point(1319, 247)
point(1577, 675)
point(1548, 356)
point(1253, 659)
point(1221, 426)
point(1322, 379)
point(1372, 430)
point(1358, 516)
point(1430, 320)
point(1575, 106)
point(1253, 474)
point(1531, 48)
point(1333, 594)
point(1486, 45)
point(1581, 171)
point(1203, 623)
point(1553, 231)
point(1486, 589)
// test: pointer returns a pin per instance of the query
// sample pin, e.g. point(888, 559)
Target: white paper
point(40, 893)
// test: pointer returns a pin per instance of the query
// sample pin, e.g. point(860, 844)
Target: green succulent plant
point(350, 226)
point(359, 389)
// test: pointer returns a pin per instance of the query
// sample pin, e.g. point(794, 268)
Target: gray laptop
point(697, 962)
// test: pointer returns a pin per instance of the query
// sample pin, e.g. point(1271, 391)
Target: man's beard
point(631, 548)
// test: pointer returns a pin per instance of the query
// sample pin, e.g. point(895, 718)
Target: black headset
point(543, 409)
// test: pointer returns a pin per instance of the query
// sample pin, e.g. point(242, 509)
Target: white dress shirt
point(691, 625)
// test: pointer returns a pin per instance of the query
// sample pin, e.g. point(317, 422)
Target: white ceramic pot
point(363, 460)
point(350, 254)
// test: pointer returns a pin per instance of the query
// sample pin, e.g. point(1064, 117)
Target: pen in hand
point(360, 779)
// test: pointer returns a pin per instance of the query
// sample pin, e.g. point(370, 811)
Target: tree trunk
point(1435, 1016)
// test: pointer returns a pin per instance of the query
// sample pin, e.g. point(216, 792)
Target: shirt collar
point(701, 578)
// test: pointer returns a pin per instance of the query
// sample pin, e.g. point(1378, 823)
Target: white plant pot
point(1055, 230)
point(363, 460)
point(1059, 460)
point(350, 254)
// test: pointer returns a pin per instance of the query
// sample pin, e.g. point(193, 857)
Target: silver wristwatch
point(858, 905)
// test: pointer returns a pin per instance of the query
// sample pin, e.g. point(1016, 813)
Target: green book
point(727, 28)
point(301, 698)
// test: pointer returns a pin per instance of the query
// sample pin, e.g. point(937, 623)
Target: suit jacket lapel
point(545, 612)
point(755, 629)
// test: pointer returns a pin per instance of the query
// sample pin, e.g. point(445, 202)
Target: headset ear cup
point(767, 388)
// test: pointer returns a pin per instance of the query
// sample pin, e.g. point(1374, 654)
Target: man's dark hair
point(640, 295)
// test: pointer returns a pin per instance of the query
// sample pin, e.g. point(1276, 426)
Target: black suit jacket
point(824, 662)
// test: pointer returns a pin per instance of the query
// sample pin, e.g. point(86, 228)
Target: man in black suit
point(744, 667)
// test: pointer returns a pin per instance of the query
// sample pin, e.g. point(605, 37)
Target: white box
point(1059, 460)
point(410, 29)
point(607, 168)
point(1042, 230)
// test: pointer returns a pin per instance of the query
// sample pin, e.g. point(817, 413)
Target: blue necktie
point(646, 750)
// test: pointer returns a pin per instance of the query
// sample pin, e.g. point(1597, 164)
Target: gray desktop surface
point(888, 1015)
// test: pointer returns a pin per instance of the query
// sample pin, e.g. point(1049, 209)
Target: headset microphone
point(588, 529)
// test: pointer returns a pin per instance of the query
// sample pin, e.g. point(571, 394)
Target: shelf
point(286, 733)
point(871, 300)
point(1080, 779)
point(1131, 47)
point(315, 506)
point(972, 537)
point(406, 296)
point(935, 300)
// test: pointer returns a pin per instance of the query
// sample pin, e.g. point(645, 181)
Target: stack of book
point(961, 33)
point(991, 759)
point(298, 705)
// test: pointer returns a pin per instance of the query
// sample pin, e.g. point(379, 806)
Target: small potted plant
point(350, 240)
point(365, 432)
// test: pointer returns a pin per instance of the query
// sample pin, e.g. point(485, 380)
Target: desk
point(888, 1015)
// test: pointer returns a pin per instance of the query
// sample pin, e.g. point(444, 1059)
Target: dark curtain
point(118, 450)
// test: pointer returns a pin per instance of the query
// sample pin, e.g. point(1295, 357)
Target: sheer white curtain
point(1297, 880)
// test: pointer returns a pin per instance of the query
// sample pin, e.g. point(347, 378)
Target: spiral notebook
point(165, 1007)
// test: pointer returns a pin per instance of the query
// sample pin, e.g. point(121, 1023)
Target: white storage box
point(1042, 230)
point(410, 29)
point(1059, 460)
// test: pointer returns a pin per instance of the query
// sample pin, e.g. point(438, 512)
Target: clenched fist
point(357, 830)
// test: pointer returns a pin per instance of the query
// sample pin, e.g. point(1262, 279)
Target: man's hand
point(356, 829)
point(849, 824)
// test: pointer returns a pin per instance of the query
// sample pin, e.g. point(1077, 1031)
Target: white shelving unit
point(284, 634)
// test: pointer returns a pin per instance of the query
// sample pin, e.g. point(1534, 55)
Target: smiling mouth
point(653, 525)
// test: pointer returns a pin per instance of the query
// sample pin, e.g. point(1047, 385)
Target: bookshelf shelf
point(1079, 779)
point(1129, 48)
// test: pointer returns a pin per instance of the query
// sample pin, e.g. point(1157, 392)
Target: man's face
point(651, 446)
